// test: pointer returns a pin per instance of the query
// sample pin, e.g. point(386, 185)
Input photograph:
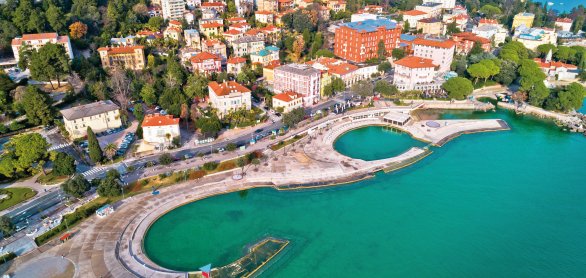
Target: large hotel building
point(358, 41)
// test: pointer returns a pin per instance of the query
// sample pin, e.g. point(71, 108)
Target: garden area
point(12, 196)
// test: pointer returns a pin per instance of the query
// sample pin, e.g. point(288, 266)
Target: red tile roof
point(564, 20)
point(211, 25)
point(202, 56)
point(240, 25)
point(414, 13)
point(553, 64)
point(41, 36)
point(488, 21)
point(263, 12)
point(121, 49)
point(232, 32)
point(273, 64)
point(415, 62)
point(287, 96)
point(212, 42)
point(159, 120)
point(236, 60)
point(435, 43)
point(471, 37)
point(236, 19)
point(175, 22)
point(227, 87)
point(212, 4)
point(342, 69)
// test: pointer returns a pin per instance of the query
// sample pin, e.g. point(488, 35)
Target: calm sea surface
point(499, 204)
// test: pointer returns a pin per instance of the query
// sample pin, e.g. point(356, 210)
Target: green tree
point(490, 11)
point(458, 87)
point(385, 88)
point(363, 88)
point(56, 18)
point(138, 112)
point(171, 100)
point(543, 49)
point(6, 226)
point(478, 71)
point(538, 94)
point(564, 53)
point(476, 48)
point(531, 75)
point(406, 27)
point(22, 15)
point(95, 151)
point(452, 28)
point(165, 159)
point(110, 186)
point(148, 95)
point(381, 52)
point(196, 86)
point(37, 106)
point(110, 151)
point(63, 164)
point(209, 126)
point(294, 117)
point(324, 53)
point(385, 66)
point(571, 97)
point(76, 186)
point(507, 74)
point(155, 23)
point(50, 63)
point(21, 152)
point(398, 53)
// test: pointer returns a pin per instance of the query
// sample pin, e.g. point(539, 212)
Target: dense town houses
point(432, 9)
point(415, 73)
point(160, 130)
point(299, 78)
point(212, 30)
point(358, 41)
point(465, 41)
point(215, 47)
point(439, 50)
point(557, 70)
point(431, 26)
point(287, 101)
point(247, 45)
point(265, 56)
point(213, 6)
point(268, 71)
point(413, 16)
point(492, 30)
point(265, 17)
point(564, 24)
point(192, 38)
point(173, 9)
point(128, 57)
point(267, 5)
point(173, 30)
point(531, 38)
point(523, 19)
point(206, 63)
point(235, 65)
point(229, 96)
point(36, 41)
point(100, 116)
point(461, 20)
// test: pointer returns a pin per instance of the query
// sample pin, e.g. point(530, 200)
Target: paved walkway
point(112, 247)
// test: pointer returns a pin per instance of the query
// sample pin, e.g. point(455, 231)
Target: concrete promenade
point(112, 246)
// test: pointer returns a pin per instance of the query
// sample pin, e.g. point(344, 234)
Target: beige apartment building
point(100, 116)
point(128, 57)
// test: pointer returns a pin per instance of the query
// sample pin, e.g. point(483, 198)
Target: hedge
point(7, 257)
point(71, 219)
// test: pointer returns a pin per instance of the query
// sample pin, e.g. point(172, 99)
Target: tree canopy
point(37, 106)
point(21, 152)
point(76, 186)
point(458, 87)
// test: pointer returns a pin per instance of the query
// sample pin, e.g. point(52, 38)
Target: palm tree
point(110, 150)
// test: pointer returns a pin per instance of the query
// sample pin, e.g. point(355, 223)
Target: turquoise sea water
point(583, 109)
point(500, 204)
point(389, 143)
point(563, 5)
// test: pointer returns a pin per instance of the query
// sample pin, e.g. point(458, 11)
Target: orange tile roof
point(175, 22)
point(212, 4)
point(553, 64)
point(564, 20)
point(227, 87)
point(202, 56)
point(270, 28)
point(159, 120)
point(287, 96)
point(240, 25)
point(40, 36)
point(273, 64)
point(263, 12)
point(488, 21)
point(232, 32)
point(121, 49)
point(211, 25)
point(415, 62)
point(211, 43)
point(236, 60)
point(435, 43)
point(342, 69)
point(236, 19)
point(414, 13)
point(471, 37)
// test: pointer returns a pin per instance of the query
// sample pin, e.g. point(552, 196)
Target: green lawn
point(15, 196)
point(50, 179)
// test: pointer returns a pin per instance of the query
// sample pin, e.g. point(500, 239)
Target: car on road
point(258, 130)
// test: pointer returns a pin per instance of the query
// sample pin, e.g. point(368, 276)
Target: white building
point(299, 78)
point(531, 38)
point(100, 116)
point(192, 38)
point(440, 51)
point(564, 24)
point(432, 9)
point(160, 129)
point(287, 101)
point(415, 73)
point(413, 16)
point(265, 56)
point(362, 17)
point(229, 96)
point(494, 32)
point(247, 45)
point(173, 9)
point(36, 41)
